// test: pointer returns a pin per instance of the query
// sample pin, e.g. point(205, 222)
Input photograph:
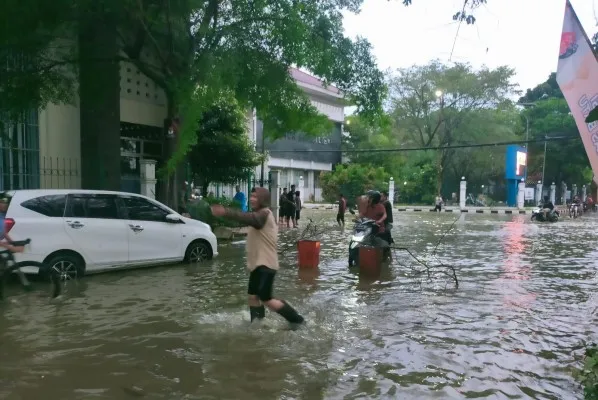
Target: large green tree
point(223, 152)
point(435, 105)
point(32, 66)
point(566, 161)
point(369, 142)
point(194, 50)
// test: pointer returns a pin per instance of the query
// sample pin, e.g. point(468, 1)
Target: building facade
point(44, 150)
point(299, 159)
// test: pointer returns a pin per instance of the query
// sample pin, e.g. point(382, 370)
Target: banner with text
point(577, 76)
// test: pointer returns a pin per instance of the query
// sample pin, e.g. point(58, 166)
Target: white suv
point(85, 231)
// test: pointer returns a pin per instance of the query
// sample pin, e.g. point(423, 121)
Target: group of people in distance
point(290, 207)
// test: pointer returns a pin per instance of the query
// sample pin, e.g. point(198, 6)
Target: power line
point(456, 146)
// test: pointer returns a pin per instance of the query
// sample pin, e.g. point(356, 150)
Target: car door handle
point(136, 228)
point(75, 224)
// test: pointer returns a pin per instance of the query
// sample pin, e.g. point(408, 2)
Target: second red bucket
point(370, 259)
point(308, 253)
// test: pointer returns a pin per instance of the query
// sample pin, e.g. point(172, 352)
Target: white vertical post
point(553, 193)
point(539, 192)
point(573, 191)
point(391, 190)
point(274, 196)
point(584, 193)
point(148, 178)
point(300, 188)
point(462, 192)
point(521, 194)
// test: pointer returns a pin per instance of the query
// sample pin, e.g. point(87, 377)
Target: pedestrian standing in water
point(342, 208)
point(262, 257)
point(298, 207)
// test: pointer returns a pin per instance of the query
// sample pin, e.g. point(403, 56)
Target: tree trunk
point(99, 97)
point(169, 193)
point(204, 188)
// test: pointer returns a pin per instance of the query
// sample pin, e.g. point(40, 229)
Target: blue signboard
point(516, 162)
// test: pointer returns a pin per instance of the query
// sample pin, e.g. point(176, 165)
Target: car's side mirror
point(173, 219)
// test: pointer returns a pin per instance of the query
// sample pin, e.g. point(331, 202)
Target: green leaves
point(222, 151)
point(588, 374)
point(352, 180)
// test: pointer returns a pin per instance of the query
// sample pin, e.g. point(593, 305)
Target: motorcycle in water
point(364, 234)
point(574, 210)
point(538, 215)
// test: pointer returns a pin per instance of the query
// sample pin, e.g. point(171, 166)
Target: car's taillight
point(8, 224)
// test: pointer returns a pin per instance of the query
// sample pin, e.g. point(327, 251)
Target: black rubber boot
point(291, 315)
point(257, 312)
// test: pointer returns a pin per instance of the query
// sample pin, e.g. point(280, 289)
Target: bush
point(352, 180)
point(200, 210)
point(588, 375)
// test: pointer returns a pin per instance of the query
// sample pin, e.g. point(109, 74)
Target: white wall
point(329, 107)
point(141, 100)
point(60, 146)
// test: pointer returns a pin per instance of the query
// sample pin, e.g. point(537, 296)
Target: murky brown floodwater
point(512, 330)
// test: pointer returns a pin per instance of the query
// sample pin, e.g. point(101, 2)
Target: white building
point(293, 155)
point(44, 151)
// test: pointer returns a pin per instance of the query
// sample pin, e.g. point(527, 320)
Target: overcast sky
point(524, 34)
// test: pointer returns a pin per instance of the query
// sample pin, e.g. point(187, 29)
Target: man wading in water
point(262, 256)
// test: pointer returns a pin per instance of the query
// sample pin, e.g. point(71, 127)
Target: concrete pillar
point(148, 178)
point(521, 194)
point(573, 191)
point(553, 193)
point(462, 192)
point(564, 193)
point(584, 193)
point(539, 192)
point(391, 190)
point(310, 183)
point(274, 196)
point(300, 188)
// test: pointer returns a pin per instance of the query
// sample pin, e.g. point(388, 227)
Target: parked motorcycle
point(364, 234)
point(538, 215)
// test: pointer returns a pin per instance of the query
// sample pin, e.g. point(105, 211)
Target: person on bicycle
point(5, 240)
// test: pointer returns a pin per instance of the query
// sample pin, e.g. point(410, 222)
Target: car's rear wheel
point(198, 251)
point(66, 266)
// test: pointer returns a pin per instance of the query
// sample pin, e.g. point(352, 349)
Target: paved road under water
point(512, 330)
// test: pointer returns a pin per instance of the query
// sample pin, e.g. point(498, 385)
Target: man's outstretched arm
point(256, 219)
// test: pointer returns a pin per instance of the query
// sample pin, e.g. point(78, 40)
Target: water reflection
point(516, 267)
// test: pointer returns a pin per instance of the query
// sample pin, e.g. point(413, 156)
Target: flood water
point(513, 329)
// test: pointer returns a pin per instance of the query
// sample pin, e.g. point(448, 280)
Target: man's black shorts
point(340, 218)
point(261, 281)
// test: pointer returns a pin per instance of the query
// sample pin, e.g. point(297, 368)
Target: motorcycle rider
point(376, 211)
point(547, 207)
point(576, 202)
point(590, 203)
point(389, 220)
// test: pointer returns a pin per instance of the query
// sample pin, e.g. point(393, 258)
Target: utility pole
point(544, 162)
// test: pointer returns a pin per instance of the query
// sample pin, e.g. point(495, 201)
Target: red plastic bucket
point(370, 259)
point(308, 253)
